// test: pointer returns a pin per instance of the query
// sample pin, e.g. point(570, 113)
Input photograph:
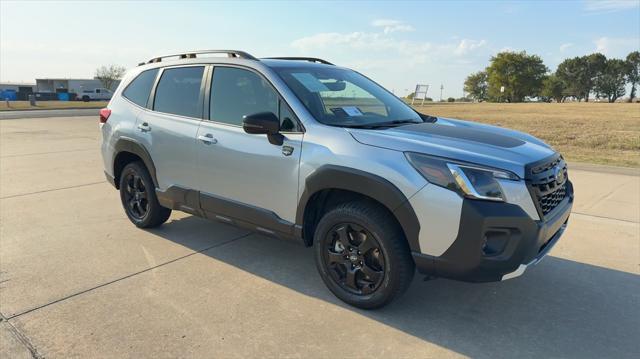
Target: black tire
point(389, 255)
point(138, 196)
point(86, 98)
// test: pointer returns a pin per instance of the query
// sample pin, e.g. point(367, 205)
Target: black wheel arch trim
point(126, 144)
point(365, 183)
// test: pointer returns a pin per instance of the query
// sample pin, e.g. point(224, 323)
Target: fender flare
point(126, 144)
point(365, 183)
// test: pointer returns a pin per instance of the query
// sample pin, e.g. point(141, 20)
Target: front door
point(240, 175)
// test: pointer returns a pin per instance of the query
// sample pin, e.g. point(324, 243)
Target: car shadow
point(560, 308)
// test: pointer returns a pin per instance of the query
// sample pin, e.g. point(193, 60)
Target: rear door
point(260, 178)
point(169, 129)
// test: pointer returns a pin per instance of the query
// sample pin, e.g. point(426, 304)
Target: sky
point(398, 44)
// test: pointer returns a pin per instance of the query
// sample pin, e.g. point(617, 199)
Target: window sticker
point(346, 111)
point(310, 82)
point(352, 111)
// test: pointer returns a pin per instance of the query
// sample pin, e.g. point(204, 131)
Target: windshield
point(340, 97)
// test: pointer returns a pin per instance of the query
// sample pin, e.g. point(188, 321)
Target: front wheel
point(138, 196)
point(362, 255)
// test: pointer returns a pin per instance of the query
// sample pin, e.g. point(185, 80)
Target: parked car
point(99, 94)
point(301, 149)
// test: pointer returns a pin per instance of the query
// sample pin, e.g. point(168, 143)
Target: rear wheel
point(362, 255)
point(138, 196)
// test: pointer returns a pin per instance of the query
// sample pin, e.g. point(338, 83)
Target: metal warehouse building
point(69, 85)
point(15, 90)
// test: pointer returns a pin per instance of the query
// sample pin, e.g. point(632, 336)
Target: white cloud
point(377, 42)
point(398, 62)
point(388, 26)
point(370, 42)
point(600, 6)
point(565, 47)
point(616, 47)
point(466, 46)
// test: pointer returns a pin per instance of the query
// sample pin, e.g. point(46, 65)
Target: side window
point(97, 90)
point(288, 122)
point(139, 89)
point(237, 92)
point(178, 91)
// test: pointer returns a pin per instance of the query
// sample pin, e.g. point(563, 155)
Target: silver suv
point(299, 148)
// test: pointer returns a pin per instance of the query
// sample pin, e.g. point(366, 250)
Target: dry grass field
point(50, 105)
point(585, 132)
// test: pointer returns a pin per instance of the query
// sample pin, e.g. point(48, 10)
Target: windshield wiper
point(393, 123)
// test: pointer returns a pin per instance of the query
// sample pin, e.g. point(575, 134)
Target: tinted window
point(178, 91)
point(139, 89)
point(237, 92)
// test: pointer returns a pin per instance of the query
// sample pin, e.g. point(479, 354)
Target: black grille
point(549, 184)
point(552, 200)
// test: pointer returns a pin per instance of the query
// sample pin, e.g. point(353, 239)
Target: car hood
point(463, 141)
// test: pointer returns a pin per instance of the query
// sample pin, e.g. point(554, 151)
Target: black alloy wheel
point(362, 255)
point(136, 196)
point(354, 258)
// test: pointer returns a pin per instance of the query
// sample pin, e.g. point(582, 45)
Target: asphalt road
point(78, 280)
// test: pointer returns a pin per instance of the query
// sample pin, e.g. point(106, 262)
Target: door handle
point(208, 139)
point(144, 127)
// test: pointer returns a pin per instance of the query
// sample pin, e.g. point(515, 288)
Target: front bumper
point(497, 241)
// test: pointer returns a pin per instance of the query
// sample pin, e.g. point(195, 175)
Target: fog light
point(494, 242)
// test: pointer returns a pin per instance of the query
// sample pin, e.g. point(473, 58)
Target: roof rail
point(192, 55)
point(310, 59)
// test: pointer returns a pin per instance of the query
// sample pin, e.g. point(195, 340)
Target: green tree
point(476, 85)
point(579, 74)
point(633, 72)
point(596, 64)
point(553, 88)
point(108, 75)
point(612, 80)
point(520, 74)
point(572, 73)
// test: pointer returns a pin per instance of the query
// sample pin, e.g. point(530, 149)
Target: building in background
point(76, 86)
point(16, 91)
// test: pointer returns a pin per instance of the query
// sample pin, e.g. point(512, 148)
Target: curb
point(49, 109)
point(581, 166)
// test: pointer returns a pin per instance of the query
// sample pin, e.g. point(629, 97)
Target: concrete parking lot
point(78, 280)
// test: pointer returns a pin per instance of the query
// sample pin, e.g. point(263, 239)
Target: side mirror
point(263, 123)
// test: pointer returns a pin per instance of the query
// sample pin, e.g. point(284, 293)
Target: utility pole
point(441, 88)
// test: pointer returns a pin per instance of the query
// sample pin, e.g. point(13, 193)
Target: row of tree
point(514, 76)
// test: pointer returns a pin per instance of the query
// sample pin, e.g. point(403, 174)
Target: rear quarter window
point(139, 89)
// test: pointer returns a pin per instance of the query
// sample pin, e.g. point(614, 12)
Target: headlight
point(469, 180)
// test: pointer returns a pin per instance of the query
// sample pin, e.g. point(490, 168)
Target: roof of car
point(236, 56)
point(292, 63)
